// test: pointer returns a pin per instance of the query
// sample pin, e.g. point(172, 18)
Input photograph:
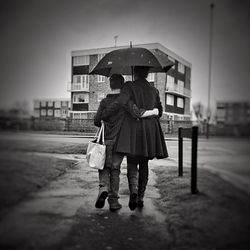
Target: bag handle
point(101, 134)
point(97, 133)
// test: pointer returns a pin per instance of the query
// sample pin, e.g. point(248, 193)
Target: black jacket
point(112, 121)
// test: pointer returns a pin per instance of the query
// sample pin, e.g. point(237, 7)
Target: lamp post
point(115, 38)
point(209, 67)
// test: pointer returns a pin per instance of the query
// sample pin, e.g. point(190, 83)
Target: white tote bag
point(96, 152)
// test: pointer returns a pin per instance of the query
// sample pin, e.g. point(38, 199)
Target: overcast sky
point(37, 37)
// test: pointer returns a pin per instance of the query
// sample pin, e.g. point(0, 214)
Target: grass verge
point(216, 218)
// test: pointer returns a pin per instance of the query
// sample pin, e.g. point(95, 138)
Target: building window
point(127, 78)
point(77, 79)
point(181, 68)
point(170, 83)
point(75, 98)
point(170, 79)
point(80, 60)
point(77, 82)
point(50, 112)
point(50, 103)
point(100, 78)
point(64, 112)
point(64, 103)
point(151, 77)
point(85, 81)
point(57, 104)
point(188, 73)
point(100, 96)
point(80, 98)
point(57, 113)
point(181, 86)
point(170, 100)
point(80, 82)
point(77, 86)
point(100, 56)
point(180, 102)
point(43, 103)
point(43, 112)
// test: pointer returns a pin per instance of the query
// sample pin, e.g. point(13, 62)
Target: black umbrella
point(122, 61)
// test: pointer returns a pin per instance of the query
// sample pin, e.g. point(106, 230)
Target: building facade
point(233, 113)
point(53, 108)
point(88, 90)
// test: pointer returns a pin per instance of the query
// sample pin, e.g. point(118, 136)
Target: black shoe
point(133, 201)
point(140, 204)
point(114, 205)
point(100, 202)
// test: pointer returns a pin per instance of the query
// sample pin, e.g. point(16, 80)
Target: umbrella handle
point(132, 73)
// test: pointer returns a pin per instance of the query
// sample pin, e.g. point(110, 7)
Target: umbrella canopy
point(121, 61)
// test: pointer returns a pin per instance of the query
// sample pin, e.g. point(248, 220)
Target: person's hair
point(116, 81)
point(141, 71)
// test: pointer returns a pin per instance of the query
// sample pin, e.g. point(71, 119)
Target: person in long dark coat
point(140, 139)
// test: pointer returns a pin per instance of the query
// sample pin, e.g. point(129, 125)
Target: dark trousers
point(109, 177)
point(137, 178)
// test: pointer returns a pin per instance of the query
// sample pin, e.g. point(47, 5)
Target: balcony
point(77, 87)
point(80, 102)
point(179, 91)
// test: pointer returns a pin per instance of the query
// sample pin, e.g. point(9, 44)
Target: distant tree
point(199, 111)
point(20, 108)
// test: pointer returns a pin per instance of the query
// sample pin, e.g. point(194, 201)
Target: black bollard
point(194, 160)
point(180, 150)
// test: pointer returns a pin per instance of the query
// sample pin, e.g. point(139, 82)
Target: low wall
point(48, 124)
point(80, 125)
point(87, 126)
point(7, 123)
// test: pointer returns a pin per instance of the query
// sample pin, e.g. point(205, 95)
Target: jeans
point(137, 184)
point(109, 177)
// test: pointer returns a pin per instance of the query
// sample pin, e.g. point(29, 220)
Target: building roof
point(149, 46)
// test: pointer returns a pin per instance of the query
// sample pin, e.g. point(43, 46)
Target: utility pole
point(209, 67)
point(115, 37)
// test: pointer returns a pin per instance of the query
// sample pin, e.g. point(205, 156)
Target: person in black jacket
point(109, 176)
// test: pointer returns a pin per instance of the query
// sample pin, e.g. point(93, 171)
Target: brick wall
point(50, 124)
point(95, 87)
point(160, 82)
point(81, 125)
point(87, 125)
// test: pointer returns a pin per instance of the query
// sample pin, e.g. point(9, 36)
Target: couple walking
point(131, 115)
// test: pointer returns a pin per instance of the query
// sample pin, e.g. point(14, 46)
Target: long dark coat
point(141, 137)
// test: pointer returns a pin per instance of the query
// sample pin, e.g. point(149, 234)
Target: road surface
point(228, 157)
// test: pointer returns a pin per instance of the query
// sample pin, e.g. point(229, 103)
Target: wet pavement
point(49, 218)
point(62, 214)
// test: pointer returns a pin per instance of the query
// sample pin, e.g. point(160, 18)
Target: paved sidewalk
point(62, 214)
point(46, 219)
